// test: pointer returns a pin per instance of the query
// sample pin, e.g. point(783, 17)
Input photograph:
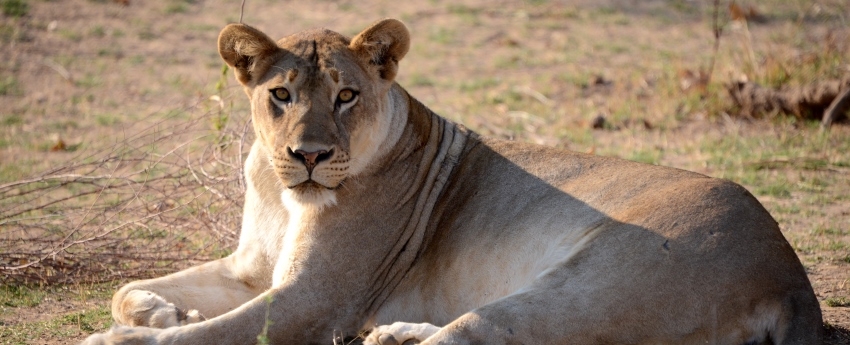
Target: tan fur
point(409, 220)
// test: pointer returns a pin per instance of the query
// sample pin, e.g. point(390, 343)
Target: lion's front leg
point(182, 298)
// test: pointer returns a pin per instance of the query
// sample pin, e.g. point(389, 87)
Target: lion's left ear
point(384, 44)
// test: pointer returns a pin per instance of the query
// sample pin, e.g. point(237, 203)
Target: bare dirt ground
point(80, 75)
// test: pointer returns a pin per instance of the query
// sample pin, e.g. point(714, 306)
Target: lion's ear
point(243, 48)
point(383, 44)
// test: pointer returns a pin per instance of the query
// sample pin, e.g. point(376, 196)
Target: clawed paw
point(145, 308)
point(401, 333)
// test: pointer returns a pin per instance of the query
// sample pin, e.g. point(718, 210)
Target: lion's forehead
point(314, 55)
point(317, 48)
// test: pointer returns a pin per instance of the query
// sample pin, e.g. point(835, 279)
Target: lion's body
point(371, 210)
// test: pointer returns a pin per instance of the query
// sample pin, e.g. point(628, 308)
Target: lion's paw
point(401, 333)
point(145, 308)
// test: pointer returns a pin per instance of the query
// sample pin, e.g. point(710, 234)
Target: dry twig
point(128, 211)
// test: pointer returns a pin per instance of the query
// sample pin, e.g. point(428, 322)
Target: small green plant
point(263, 338)
point(220, 120)
point(98, 31)
point(15, 8)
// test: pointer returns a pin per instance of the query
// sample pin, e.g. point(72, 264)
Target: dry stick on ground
point(840, 105)
point(825, 100)
point(129, 211)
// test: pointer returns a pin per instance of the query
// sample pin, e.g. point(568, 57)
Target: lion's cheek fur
point(373, 137)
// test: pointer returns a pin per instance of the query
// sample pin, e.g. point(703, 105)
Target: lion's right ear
point(244, 49)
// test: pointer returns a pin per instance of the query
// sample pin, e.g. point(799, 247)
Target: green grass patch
point(20, 296)
point(419, 79)
point(89, 321)
point(15, 8)
point(97, 31)
point(147, 34)
point(12, 120)
point(12, 172)
point(108, 119)
point(837, 302)
point(9, 86)
point(821, 230)
point(8, 33)
point(177, 6)
point(645, 156)
point(777, 190)
point(70, 35)
point(442, 35)
point(478, 84)
point(65, 326)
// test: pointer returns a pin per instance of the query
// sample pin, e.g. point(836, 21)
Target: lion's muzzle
point(310, 158)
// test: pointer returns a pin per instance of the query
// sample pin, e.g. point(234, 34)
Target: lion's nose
point(310, 158)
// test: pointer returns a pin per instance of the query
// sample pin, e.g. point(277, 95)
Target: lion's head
point(319, 100)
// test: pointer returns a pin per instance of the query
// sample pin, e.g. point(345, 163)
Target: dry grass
point(131, 210)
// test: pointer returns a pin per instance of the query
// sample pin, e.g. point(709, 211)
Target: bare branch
point(839, 106)
point(131, 210)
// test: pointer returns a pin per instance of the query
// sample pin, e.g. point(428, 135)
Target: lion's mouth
point(311, 185)
point(307, 184)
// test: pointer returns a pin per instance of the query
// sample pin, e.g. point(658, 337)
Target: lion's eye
point(281, 94)
point(346, 96)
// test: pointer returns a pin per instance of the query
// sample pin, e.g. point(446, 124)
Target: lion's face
point(316, 111)
point(319, 101)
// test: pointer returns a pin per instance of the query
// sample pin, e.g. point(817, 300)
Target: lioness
point(365, 208)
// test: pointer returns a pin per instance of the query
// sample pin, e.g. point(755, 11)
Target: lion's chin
point(307, 186)
point(309, 193)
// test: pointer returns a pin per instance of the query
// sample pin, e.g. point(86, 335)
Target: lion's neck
point(414, 177)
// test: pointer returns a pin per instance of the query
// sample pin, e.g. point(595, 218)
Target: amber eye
point(345, 96)
point(281, 94)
